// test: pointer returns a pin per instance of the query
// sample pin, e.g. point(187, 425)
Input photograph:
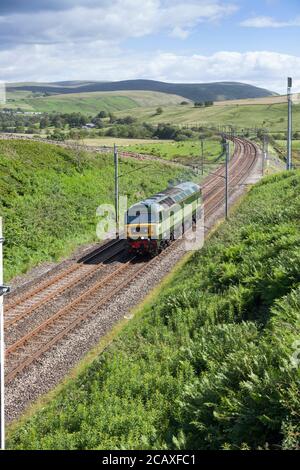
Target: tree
point(30, 130)
point(44, 122)
point(112, 118)
point(103, 114)
point(127, 120)
point(159, 110)
point(98, 123)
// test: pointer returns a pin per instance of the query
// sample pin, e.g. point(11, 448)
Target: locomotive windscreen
point(135, 216)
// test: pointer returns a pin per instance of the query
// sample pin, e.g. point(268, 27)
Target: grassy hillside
point(89, 103)
point(208, 364)
point(49, 196)
point(276, 99)
point(272, 116)
point(84, 103)
point(143, 106)
point(193, 91)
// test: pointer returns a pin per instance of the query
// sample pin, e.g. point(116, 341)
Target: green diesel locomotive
point(152, 224)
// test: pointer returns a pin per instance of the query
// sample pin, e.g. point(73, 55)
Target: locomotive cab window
point(137, 217)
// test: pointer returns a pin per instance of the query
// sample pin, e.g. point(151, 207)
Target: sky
point(251, 41)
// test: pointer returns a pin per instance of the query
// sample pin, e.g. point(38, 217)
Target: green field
point(89, 103)
point(281, 145)
point(187, 152)
point(208, 364)
point(272, 116)
point(49, 196)
point(119, 141)
point(143, 105)
point(86, 104)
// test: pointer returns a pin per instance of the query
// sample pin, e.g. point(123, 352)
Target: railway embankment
point(49, 196)
point(211, 361)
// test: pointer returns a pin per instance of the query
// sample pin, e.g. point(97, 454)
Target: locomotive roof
point(173, 195)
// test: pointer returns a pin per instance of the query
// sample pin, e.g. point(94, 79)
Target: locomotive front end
point(141, 229)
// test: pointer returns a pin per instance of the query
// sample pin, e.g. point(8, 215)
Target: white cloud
point(261, 68)
point(179, 33)
point(100, 62)
point(110, 20)
point(269, 22)
point(84, 41)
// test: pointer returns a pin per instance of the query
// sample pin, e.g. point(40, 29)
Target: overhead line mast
point(3, 290)
point(116, 165)
point(290, 125)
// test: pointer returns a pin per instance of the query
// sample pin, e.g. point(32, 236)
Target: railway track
point(48, 289)
point(103, 273)
point(30, 347)
point(213, 191)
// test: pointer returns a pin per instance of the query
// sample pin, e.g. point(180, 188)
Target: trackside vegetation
point(49, 196)
point(211, 362)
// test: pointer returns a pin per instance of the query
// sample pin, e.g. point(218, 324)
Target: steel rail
point(235, 177)
point(64, 310)
point(46, 345)
point(48, 282)
point(83, 273)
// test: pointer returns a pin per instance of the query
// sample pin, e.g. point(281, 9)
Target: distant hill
point(218, 91)
point(90, 102)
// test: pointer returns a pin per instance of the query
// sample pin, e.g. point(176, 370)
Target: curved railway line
point(242, 163)
point(37, 320)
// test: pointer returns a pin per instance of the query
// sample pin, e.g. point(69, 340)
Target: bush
point(103, 114)
point(57, 135)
